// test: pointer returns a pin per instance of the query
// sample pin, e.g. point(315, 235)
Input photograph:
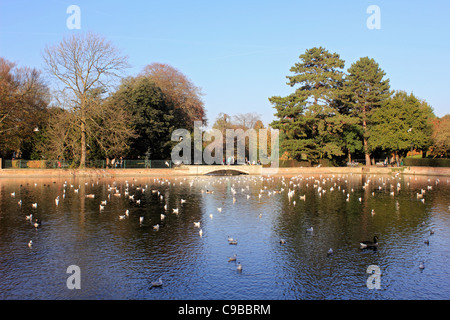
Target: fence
point(426, 162)
point(100, 164)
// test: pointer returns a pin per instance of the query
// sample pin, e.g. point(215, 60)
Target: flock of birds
point(289, 186)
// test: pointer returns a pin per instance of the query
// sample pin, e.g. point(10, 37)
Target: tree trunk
point(366, 144)
point(83, 145)
point(83, 135)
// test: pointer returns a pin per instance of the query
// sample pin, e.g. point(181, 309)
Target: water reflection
point(119, 258)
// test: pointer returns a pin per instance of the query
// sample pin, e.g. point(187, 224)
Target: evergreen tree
point(309, 117)
point(153, 117)
point(364, 90)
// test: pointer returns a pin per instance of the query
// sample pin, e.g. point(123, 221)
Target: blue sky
point(239, 52)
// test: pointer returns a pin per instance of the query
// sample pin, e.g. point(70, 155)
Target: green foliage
point(309, 117)
point(402, 124)
point(153, 118)
point(364, 90)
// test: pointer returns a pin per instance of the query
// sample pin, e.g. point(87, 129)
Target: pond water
point(120, 257)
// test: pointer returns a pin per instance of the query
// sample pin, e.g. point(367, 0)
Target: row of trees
point(94, 112)
point(334, 114)
point(86, 115)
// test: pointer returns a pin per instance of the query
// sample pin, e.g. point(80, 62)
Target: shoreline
point(184, 171)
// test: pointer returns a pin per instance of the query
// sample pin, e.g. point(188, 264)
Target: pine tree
point(364, 90)
point(308, 117)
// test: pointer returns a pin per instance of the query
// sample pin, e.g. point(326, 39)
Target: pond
point(121, 253)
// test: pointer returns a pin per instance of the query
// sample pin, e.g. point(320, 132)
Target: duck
point(422, 265)
point(233, 258)
point(282, 241)
point(200, 233)
point(233, 242)
point(158, 283)
point(219, 209)
point(310, 229)
point(239, 267)
point(369, 244)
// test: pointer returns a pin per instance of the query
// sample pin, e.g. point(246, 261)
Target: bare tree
point(246, 120)
point(83, 63)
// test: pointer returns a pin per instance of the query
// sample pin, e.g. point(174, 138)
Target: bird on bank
point(330, 252)
point(30, 244)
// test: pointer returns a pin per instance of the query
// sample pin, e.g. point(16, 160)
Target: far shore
point(184, 171)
